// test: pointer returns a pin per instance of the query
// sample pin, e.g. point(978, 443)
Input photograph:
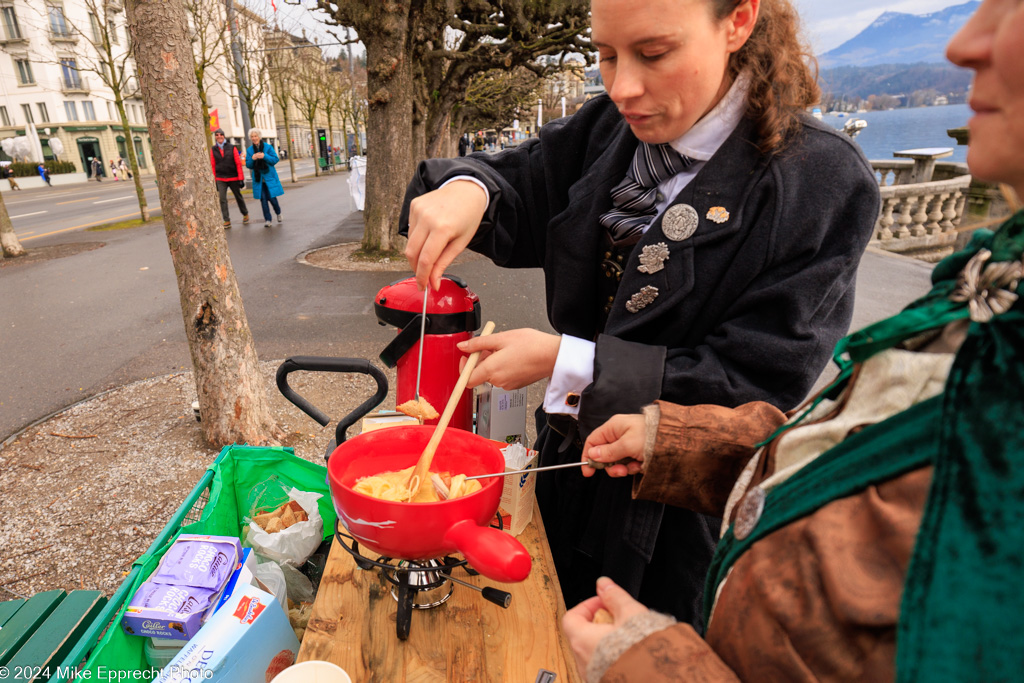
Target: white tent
point(36, 153)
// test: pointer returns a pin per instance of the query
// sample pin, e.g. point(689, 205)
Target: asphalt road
point(46, 212)
point(75, 326)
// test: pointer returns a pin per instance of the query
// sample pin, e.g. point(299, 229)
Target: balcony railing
point(75, 84)
point(63, 36)
point(920, 219)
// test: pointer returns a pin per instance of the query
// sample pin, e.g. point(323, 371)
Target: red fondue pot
point(420, 531)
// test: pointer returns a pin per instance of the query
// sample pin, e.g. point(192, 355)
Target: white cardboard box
point(501, 414)
point(518, 495)
point(246, 641)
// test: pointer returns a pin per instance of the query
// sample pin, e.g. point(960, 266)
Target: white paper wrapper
point(293, 545)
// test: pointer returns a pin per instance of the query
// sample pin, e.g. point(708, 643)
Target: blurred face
point(992, 44)
point(664, 62)
point(218, 137)
point(255, 137)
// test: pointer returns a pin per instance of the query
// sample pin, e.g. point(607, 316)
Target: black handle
point(500, 598)
point(328, 364)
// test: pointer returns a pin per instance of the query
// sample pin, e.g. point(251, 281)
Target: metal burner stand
point(410, 578)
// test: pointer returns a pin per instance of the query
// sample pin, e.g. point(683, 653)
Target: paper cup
point(313, 672)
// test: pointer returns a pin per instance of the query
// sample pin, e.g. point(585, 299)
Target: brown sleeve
point(672, 654)
point(699, 451)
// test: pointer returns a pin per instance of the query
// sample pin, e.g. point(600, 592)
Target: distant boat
point(816, 113)
point(853, 127)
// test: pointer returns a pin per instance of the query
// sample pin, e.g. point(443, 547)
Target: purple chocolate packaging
point(167, 611)
point(199, 561)
point(176, 599)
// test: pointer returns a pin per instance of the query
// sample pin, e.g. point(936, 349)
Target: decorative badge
point(653, 257)
point(641, 299)
point(680, 222)
point(718, 214)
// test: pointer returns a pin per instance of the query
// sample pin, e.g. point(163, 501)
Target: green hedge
point(22, 169)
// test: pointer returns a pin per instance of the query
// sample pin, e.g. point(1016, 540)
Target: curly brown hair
point(780, 64)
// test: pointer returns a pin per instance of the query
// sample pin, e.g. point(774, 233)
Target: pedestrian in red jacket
point(228, 171)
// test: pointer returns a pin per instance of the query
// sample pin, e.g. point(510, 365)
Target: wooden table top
point(465, 639)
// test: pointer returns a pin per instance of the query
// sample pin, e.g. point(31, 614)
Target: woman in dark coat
point(699, 235)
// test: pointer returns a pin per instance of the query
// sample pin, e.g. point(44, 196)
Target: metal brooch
point(680, 222)
point(718, 214)
point(653, 257)
point(989, 289)
point(642, 299)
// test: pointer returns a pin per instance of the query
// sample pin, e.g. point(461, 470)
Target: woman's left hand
point(513, 359)
point(584, 633)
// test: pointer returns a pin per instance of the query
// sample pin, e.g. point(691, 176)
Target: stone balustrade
point(920, 219)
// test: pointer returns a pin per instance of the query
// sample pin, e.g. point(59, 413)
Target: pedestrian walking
point(266, 186)
point(126, 173)
point(9, 174)
point(113, 170)
point(44, 174)
point(227, 171)
point(97, 169)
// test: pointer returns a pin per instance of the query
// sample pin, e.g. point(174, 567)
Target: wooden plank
point(8, 609)
point(27, 619)
point(46, 649)
point(466, 639)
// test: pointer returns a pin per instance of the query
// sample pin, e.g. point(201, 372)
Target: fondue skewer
point(423, 465)
point(423, 332)
point(592, 463)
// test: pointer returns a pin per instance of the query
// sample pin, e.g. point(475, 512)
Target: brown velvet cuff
point(699, 452)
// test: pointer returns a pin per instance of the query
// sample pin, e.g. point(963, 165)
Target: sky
point(828, 23)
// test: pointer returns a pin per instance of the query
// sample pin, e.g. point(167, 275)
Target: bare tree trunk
point(133, 161)
point(288, 141)
point(389, 88)
point(316, 148)
point(129, 143)
point(8, 240)
point(232, 397)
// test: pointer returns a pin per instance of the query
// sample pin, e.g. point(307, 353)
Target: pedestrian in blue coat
point(261, 159)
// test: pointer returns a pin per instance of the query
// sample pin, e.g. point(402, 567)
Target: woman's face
point(992, 45)
point(664, 62)
point(255, 137)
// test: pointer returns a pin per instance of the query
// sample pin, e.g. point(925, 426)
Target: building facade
point(54, 73)
point(49, 76)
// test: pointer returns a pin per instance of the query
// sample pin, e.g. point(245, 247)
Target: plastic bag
point(291, 546)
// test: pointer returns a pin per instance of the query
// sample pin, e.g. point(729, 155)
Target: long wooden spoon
point(423, 465)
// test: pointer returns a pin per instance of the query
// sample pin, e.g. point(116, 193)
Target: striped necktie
point(635, 199)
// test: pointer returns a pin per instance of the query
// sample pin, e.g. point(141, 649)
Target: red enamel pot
point(420, 531)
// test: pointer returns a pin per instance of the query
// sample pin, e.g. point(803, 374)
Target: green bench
point(37, 634)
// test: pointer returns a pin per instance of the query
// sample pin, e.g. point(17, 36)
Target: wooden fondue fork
point(423, 465)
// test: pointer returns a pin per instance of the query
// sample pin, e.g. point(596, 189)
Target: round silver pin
point(680, 222)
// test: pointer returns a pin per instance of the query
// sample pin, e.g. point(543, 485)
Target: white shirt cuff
point(574, 371)
point(472, 180)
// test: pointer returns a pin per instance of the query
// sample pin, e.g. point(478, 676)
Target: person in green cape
point(876, 533)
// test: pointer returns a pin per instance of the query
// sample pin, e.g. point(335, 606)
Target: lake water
point(899, 129)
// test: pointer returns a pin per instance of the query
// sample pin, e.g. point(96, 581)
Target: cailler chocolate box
point(177, 599)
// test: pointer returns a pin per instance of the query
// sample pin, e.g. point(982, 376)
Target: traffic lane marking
point(26, 215)
point(115, 199)
point(88, 225)
point(75, 200)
